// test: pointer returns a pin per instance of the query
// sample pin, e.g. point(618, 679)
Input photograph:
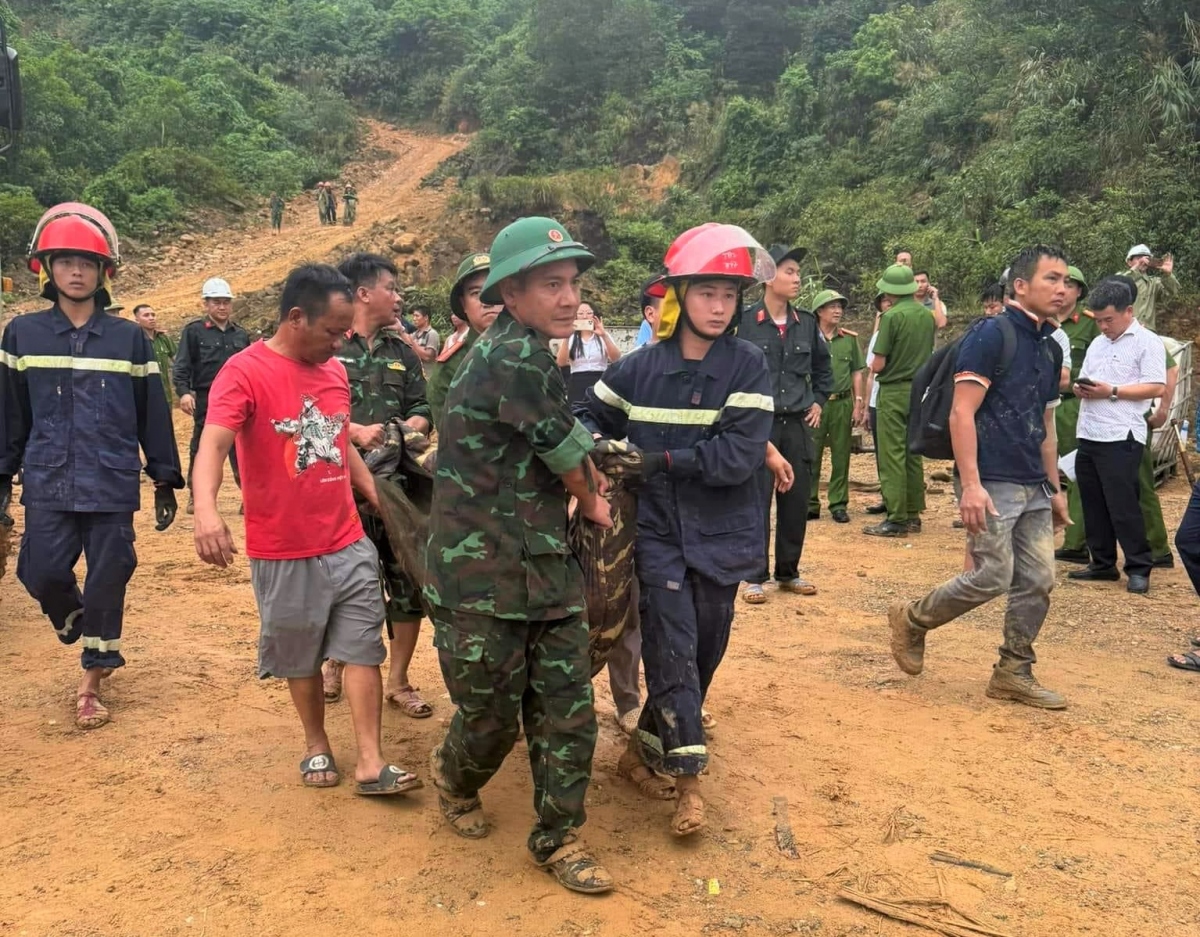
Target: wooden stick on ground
point(785, 840)
point(951, 859)
point(1182, 454)
point(900, 913)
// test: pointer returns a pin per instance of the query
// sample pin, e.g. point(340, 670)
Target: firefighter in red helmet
point(698, 405)
point(79, 394)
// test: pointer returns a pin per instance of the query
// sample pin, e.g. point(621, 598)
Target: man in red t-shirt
point(315, 574)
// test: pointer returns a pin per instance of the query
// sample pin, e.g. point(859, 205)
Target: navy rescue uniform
point(75, 405)
point(700, 523)
point(203, 348)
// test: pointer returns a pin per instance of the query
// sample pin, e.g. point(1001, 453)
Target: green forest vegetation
point(959, 129)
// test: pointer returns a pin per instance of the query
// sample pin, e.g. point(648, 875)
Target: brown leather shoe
point(1023, 688)
point(908, 640)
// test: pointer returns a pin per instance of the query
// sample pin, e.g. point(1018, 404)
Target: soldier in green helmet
point(506, 593)
point(1080, 328)
point(846, 406)
point(466, 304)
point(903, 344)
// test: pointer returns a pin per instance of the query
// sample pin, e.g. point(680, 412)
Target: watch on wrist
point(1113, 396)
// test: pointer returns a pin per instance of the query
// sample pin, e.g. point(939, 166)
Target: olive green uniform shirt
point(906, 335)
point(498, 526)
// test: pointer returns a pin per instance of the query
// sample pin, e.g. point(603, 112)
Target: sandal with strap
point(391, 781)
point(754, 594)
point(409, 702)
point(1189, 660)
point(90, 712)
point(576, 869)
point(631, 767)
point(689, 814)
point(464, 814)
point(320, 763)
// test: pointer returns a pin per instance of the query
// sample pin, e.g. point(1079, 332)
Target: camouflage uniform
point(386, 383)
point(507, 595)
point(164, 351)
point(276, 212)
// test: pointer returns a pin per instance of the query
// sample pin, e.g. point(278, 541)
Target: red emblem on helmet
point(555, 235)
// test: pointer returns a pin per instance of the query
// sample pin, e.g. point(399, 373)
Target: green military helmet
point(897, 280)
point(825, 297)
point(469, 267)
point(1075, 275)
point(528, 243)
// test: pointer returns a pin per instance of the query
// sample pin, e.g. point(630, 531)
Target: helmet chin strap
point(686, 322)
point(100, 285)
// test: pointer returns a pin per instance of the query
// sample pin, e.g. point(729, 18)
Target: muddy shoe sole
point(1017, 696)
point(908, 641)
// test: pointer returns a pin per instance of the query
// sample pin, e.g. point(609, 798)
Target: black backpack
point(933, 392)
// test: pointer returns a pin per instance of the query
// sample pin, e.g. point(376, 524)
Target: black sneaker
point(886, 529)
point(840, 515)
point(1166, 561)
point(879, 508)
point(1072, 556)
point(814, 515)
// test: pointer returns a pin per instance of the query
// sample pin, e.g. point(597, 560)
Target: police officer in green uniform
point(1080, 328)
point(386, 384)
point(465, 303)
point(845, 407)
point(506, 594)
point(904, 343)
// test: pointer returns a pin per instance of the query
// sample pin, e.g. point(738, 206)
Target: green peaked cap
point(825, 297)
point(529, 243)
point(897, 280)
point(470, 265)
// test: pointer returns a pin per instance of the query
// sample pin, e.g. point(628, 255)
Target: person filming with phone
point(588, 352)
point(1152, 290)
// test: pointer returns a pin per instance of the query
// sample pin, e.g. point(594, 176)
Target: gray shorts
point(326, 606)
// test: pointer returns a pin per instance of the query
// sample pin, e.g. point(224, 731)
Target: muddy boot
point(464, 814)
point(1022, 688)
point(575, 868)
point(908, 639)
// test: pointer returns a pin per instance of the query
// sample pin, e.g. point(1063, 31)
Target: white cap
point(216, 288)
point(1138, 250)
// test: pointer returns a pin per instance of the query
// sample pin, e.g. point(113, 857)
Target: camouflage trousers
point(1014, 557)
point(501, 674)
point(401, 599)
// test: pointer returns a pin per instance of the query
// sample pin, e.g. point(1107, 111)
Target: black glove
point(654, 462)
point(5, 499)
point(165, 506)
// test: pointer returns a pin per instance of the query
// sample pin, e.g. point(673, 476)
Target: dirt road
point(253, 258)
point(185, 816)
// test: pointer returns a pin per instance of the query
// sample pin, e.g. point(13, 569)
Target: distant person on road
point(276, 204)
point(1152, 291)
point(587, 353)
point(331, 204)
point(315, 574)
point(350, 203)
point(467, 305)
point(164, 346)
point(1006, 482)
point(323, 202)
point(79, 393)
point(204, 346)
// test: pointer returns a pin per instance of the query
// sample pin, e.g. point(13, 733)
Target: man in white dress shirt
point(1123, 369)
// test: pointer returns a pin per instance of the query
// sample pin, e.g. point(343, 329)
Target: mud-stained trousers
point(684, 635)
point(50, 547)
point(502, 674)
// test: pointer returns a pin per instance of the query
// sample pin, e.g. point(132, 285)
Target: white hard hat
point(216, 288)
point(1138, 250)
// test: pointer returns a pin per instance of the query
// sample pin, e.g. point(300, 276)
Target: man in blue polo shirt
point(1005, 449)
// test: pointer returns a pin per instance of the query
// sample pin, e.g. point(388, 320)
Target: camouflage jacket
point(443, 372)
point(498, 527)
point(386, 381)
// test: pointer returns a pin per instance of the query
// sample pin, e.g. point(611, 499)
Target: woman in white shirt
point(587, 353)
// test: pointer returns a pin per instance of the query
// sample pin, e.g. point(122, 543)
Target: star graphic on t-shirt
point(314, 434)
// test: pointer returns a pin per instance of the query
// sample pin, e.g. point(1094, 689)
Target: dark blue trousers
point(684, 635)
point(50, 547)
point(1187, 538)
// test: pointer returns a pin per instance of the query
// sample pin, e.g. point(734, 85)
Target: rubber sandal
point(651, 784)
point(320, 763)
point(464, 814)
point(574, 868)
point(797, 586)
point(409, 702)
point(90, 712)
point(1195, 642)
point(754, 594)
point(331, 679)
point(391, 781)
point(1190, 660)
point(689, 815)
